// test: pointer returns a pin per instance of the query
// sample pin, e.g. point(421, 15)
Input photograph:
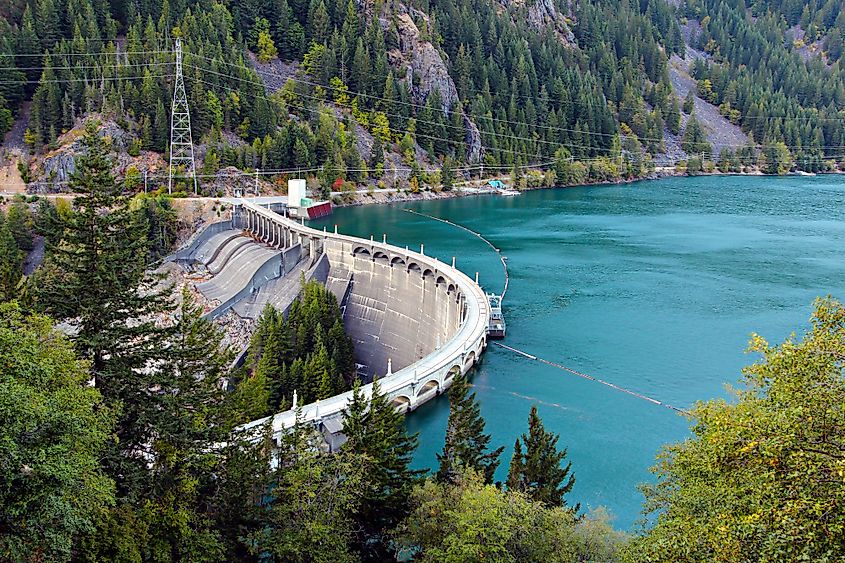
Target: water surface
point(655, 286)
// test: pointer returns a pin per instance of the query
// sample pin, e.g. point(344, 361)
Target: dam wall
point(416, 322)
point(393, 313)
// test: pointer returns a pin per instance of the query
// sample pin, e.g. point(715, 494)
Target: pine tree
point(375, 431)
point(20, 223)
point(95, 278)
point(447, 176)
point(466, 443)
point(10, 262)
point(689, 103)
point(673, 117)
point(536, 465)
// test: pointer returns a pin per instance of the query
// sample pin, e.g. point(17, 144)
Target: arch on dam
point(401, 403)
point(448, 328)
point(429, 385)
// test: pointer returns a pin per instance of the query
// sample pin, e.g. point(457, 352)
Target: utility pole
point(181, 146)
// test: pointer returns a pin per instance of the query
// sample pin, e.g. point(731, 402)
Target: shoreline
point(399, 196)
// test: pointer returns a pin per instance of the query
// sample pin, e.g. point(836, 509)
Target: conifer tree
point(95, 278)
point(10, 262)
point(376, 432)
point(689, 103)
point(20, 222)
point(466, 443)
point(536, 465)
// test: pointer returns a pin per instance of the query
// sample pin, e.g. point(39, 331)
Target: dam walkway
point(403, 309)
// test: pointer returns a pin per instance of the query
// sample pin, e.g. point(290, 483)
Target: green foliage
point(315, 498)
point(266, 48)
point(307, 351)
point(53, 428)
point(695, 141)
point(762, 82)
point(20, 223)
point(471, 521)
point(775, 159)
point(11, 262)
point(536, 466)
point(761, 478)
point(375, 431)
point(159, 222)
point(466, 443)
point(447, 176)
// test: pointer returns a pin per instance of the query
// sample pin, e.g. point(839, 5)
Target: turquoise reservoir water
point(655, 286)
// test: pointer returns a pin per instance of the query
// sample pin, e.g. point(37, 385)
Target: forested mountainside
point(369, 91)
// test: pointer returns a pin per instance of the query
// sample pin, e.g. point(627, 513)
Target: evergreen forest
point(412, 94)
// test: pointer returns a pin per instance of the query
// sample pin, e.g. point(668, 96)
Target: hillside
point(389, 93)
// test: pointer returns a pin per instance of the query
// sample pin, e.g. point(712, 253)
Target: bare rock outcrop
point(54, 169)
point(543, 13)
point(425, 71)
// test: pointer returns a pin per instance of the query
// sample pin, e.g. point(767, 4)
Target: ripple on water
point(654, 285)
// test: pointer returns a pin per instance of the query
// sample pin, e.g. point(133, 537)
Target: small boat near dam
point(496, 327)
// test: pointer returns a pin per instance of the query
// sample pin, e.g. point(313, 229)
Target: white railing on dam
point(423, 379)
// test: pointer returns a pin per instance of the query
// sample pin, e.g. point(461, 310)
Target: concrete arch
point(361, 251)
point(453, 371)
point(429, 385)
point(428, 273)
point(397, 260)
point(414, 267)
point(470, 360)
point(380, 256)
point(402, 403)
point(441, 280)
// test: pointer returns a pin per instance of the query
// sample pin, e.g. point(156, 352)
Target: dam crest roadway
point(416, 322)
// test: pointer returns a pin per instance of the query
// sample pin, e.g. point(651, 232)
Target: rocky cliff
point(425, 71)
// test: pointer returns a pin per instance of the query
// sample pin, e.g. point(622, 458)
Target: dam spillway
point(416, 322)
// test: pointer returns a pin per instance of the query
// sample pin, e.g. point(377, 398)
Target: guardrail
point(470, 338)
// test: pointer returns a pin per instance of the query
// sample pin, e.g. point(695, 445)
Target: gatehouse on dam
point(416, 322)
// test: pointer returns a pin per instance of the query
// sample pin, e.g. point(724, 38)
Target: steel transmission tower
point(181, 146)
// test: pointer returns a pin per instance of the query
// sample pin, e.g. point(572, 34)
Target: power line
point(418, 120)
point(86, 79)
point(89, 54)
point(400, 102)
point(751, 143)
point(87, 67)
point(317, 110)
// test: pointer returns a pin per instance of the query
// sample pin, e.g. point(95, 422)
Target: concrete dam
point(416, 322)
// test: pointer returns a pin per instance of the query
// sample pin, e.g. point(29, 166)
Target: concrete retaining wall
point(433, 317)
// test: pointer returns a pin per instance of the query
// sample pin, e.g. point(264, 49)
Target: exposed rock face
point(544, 14)
point(57, 166)
point(425, 68)
point(53, 170)
point(426, 72)
point(473, 141)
